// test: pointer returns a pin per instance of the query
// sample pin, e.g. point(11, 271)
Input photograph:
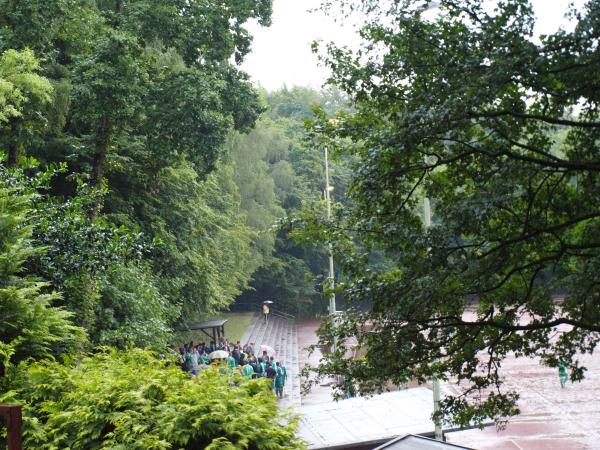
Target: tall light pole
point(328, 190)
point(439, 435)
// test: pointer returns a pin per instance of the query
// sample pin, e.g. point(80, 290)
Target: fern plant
point(30, 326)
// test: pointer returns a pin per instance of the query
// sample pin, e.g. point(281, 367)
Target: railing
point(278, 313)
point(253, 306)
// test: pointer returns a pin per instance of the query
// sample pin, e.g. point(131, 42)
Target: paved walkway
point(281, 334)
point(307, 336)
point(551, 418)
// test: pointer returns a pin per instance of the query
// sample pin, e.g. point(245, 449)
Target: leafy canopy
point(499, 128)
point(142, 95)
point(20, 83)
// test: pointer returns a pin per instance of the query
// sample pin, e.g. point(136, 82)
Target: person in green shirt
point(247, 371)
point(204, 359)
point(563, 375)
point(231, 362)
point(280, 380)
point(262, 367)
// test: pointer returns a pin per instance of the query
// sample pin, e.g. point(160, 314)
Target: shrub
point(133, 400)
point(30, 325)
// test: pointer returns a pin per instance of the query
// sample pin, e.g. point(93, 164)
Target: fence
point(252, 306)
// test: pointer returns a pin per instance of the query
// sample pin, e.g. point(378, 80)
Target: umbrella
point(270, 351)
point(219, 354)
point(267, 301)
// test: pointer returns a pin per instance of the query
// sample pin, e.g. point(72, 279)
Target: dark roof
point(413, 442)
point(206, 325)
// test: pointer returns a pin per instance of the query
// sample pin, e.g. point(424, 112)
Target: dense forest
point(157, 190)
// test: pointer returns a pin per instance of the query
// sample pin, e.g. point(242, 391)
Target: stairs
point(281, 334)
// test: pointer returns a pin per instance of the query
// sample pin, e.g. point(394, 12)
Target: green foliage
point(20, 83)
point(24, 95)
point(100, 270)
point(278, 172)
point(258, 198)
point(500, 129)
point(131, 310)
point(290, 282)
point(202, 255)
point(297, 103)
point(31, 325)
point(121, 93)
point(133, 400)
point(77, 241)
point(144, 95)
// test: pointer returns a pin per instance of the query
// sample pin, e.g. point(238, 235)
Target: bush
point(30, 325)
point(131, 310)
point(133, 400)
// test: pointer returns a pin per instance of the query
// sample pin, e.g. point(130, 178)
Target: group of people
point(195, 358)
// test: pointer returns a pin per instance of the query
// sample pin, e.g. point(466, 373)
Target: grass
point(237, 323)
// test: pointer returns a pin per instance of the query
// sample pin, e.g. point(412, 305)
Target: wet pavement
point(551, 418)
point(321, 393)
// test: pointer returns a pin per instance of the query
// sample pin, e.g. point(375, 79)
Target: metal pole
point(332, 308)
point(439, 435)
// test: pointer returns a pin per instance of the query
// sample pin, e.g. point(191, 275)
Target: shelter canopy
point(216, 328)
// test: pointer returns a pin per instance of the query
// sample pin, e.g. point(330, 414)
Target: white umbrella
point(219, 354)
point(270, 350)
point(268, 301)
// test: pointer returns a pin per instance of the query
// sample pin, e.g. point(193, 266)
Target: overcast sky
point(281, 53)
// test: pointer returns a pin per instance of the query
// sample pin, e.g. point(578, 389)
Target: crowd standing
point(195, 358)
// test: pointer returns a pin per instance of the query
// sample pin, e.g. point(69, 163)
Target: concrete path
point(281, 334)
point(307, 335)
point(551, 418)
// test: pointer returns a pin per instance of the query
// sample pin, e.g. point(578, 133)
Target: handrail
point(258, 306)
point(282, 314)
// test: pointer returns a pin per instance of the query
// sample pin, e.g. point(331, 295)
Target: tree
point(500, 129)
point(251, 174)
point(31, 326)
point(101, 271)
point(22, 91)
point(145, 93)
point(278, 171)
point(120, 95)
point(202, 251)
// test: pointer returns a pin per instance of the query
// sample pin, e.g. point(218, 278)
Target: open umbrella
point(270, 350)
point(268, 301)
point(219, 354)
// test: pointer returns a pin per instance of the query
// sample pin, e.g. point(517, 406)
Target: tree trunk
point(101, 150)
point(13, 154)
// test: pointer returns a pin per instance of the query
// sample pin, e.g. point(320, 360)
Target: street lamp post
point(435, 382)
point(328, 189)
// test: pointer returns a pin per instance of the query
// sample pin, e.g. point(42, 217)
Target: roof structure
point(412, 442)
point(217, 328)
point(366, 421)
point(209, 324)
